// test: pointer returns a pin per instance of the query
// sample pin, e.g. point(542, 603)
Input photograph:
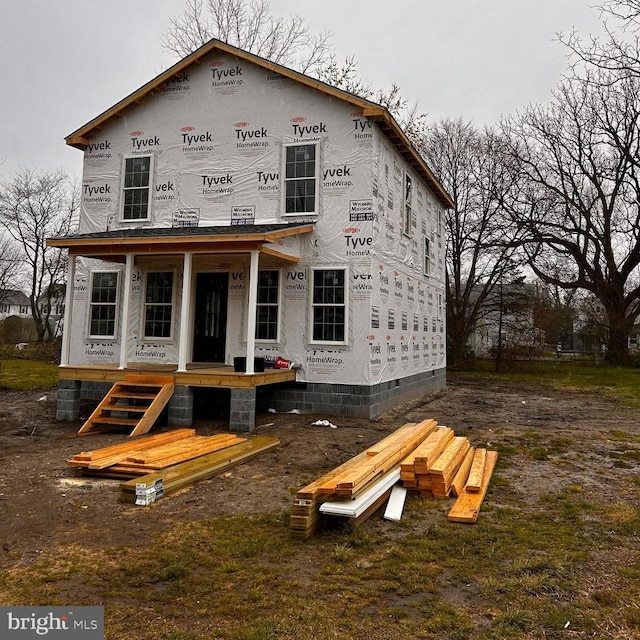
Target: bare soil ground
point(45, 503)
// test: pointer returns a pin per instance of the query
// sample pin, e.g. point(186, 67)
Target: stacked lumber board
point(425, 457)
point(144, 490)
point(354, 477)
point(150, 453)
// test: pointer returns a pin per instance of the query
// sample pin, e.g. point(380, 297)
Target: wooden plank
point(426, 426)
point(467, 506)
point(429, 451)
point(441, 465)
point(355, 508)
point(186, 473)
point(129, 445)
point(474, 481)
point(460, 479)
point(395, 505)
point(383, 461)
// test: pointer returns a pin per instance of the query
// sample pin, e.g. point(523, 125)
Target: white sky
point(65, 61)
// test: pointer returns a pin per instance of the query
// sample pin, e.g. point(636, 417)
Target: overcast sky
point(66, 61)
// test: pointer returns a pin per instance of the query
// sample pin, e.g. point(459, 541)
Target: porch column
point(126, 305)
point(68, 312)
point(251, 311)
point(185, 311)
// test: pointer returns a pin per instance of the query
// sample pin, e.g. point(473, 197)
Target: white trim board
point(396, 503)
point(355, 508)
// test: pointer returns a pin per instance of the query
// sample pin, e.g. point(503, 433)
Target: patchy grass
point(616, 382)
point(22, 375)
point(564, 565)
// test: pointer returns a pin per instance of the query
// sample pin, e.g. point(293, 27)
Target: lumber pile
point(151, 453)
point(148, 488)
point(424, 457)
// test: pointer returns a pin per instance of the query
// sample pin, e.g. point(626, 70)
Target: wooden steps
point(133, 403)
point(425, 457)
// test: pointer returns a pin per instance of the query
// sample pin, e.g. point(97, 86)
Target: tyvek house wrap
point(216, 136)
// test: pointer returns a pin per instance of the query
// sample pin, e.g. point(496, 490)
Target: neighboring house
point(233, 208)
point(52, 307)
point(14, 303)
point(508, 319)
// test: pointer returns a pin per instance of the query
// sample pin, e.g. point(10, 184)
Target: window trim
point(116, 305)
point(345, 304)
point(426, 260)
point(316, 177)
point(143, 315)
point(407, 204)
point(277, 305)
point(123, 188)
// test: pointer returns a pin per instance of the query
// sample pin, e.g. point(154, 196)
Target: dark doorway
point(210, 325)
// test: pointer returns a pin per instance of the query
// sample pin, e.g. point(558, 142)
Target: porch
point(242, 385)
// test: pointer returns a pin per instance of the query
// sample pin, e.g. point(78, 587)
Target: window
point(427, 257)
point(158, 307)
point(301, 179)
point(5, 308)
point(267, 311)
point(408, 205)
point(329, 305)
point(103, 304)
point(137, 188)
point(24, 309)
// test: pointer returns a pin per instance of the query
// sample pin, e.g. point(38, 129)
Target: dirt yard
point(45, 503)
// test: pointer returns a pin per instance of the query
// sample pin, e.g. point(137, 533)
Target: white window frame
point(115, 305)
point(144, 303)
point(426, 262)
point(123, 189)
point(407, 204)
point(277, 305)
point(316, 177)
point(345, 304)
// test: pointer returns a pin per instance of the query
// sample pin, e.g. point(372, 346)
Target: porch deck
point(196, 375)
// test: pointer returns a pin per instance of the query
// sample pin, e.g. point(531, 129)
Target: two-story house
point(237, 212)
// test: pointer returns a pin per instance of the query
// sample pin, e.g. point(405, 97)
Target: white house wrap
point(225, 139)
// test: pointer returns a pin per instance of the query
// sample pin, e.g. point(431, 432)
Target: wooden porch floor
point(196, 375)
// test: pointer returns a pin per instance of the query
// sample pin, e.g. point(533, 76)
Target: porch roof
point(116, 244)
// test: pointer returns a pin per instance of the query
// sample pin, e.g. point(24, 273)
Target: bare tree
point(249, 25)
point(9, 265)
point(482, 244)
point(579, 193)
point(618, 50)
point(35, 206)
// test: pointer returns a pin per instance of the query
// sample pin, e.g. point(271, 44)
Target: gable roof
point(13, 296)
point(80, 137)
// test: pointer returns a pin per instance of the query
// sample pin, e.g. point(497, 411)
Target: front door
point(210, 331)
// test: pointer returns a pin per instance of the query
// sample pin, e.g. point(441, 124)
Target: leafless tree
point(250, 25)
point(618, 50)
point(481, 244)
point(9, 265)
point(34, 206)
point(578, 195)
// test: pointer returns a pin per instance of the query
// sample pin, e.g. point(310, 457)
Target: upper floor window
point(301, 168)
point(329, 305)
point(103, 305)
point(136, 188)
point(427, 257)
point(407, 213)
point(5, 308)
point(267, 311)
point(158, 304)
point(24, 309)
